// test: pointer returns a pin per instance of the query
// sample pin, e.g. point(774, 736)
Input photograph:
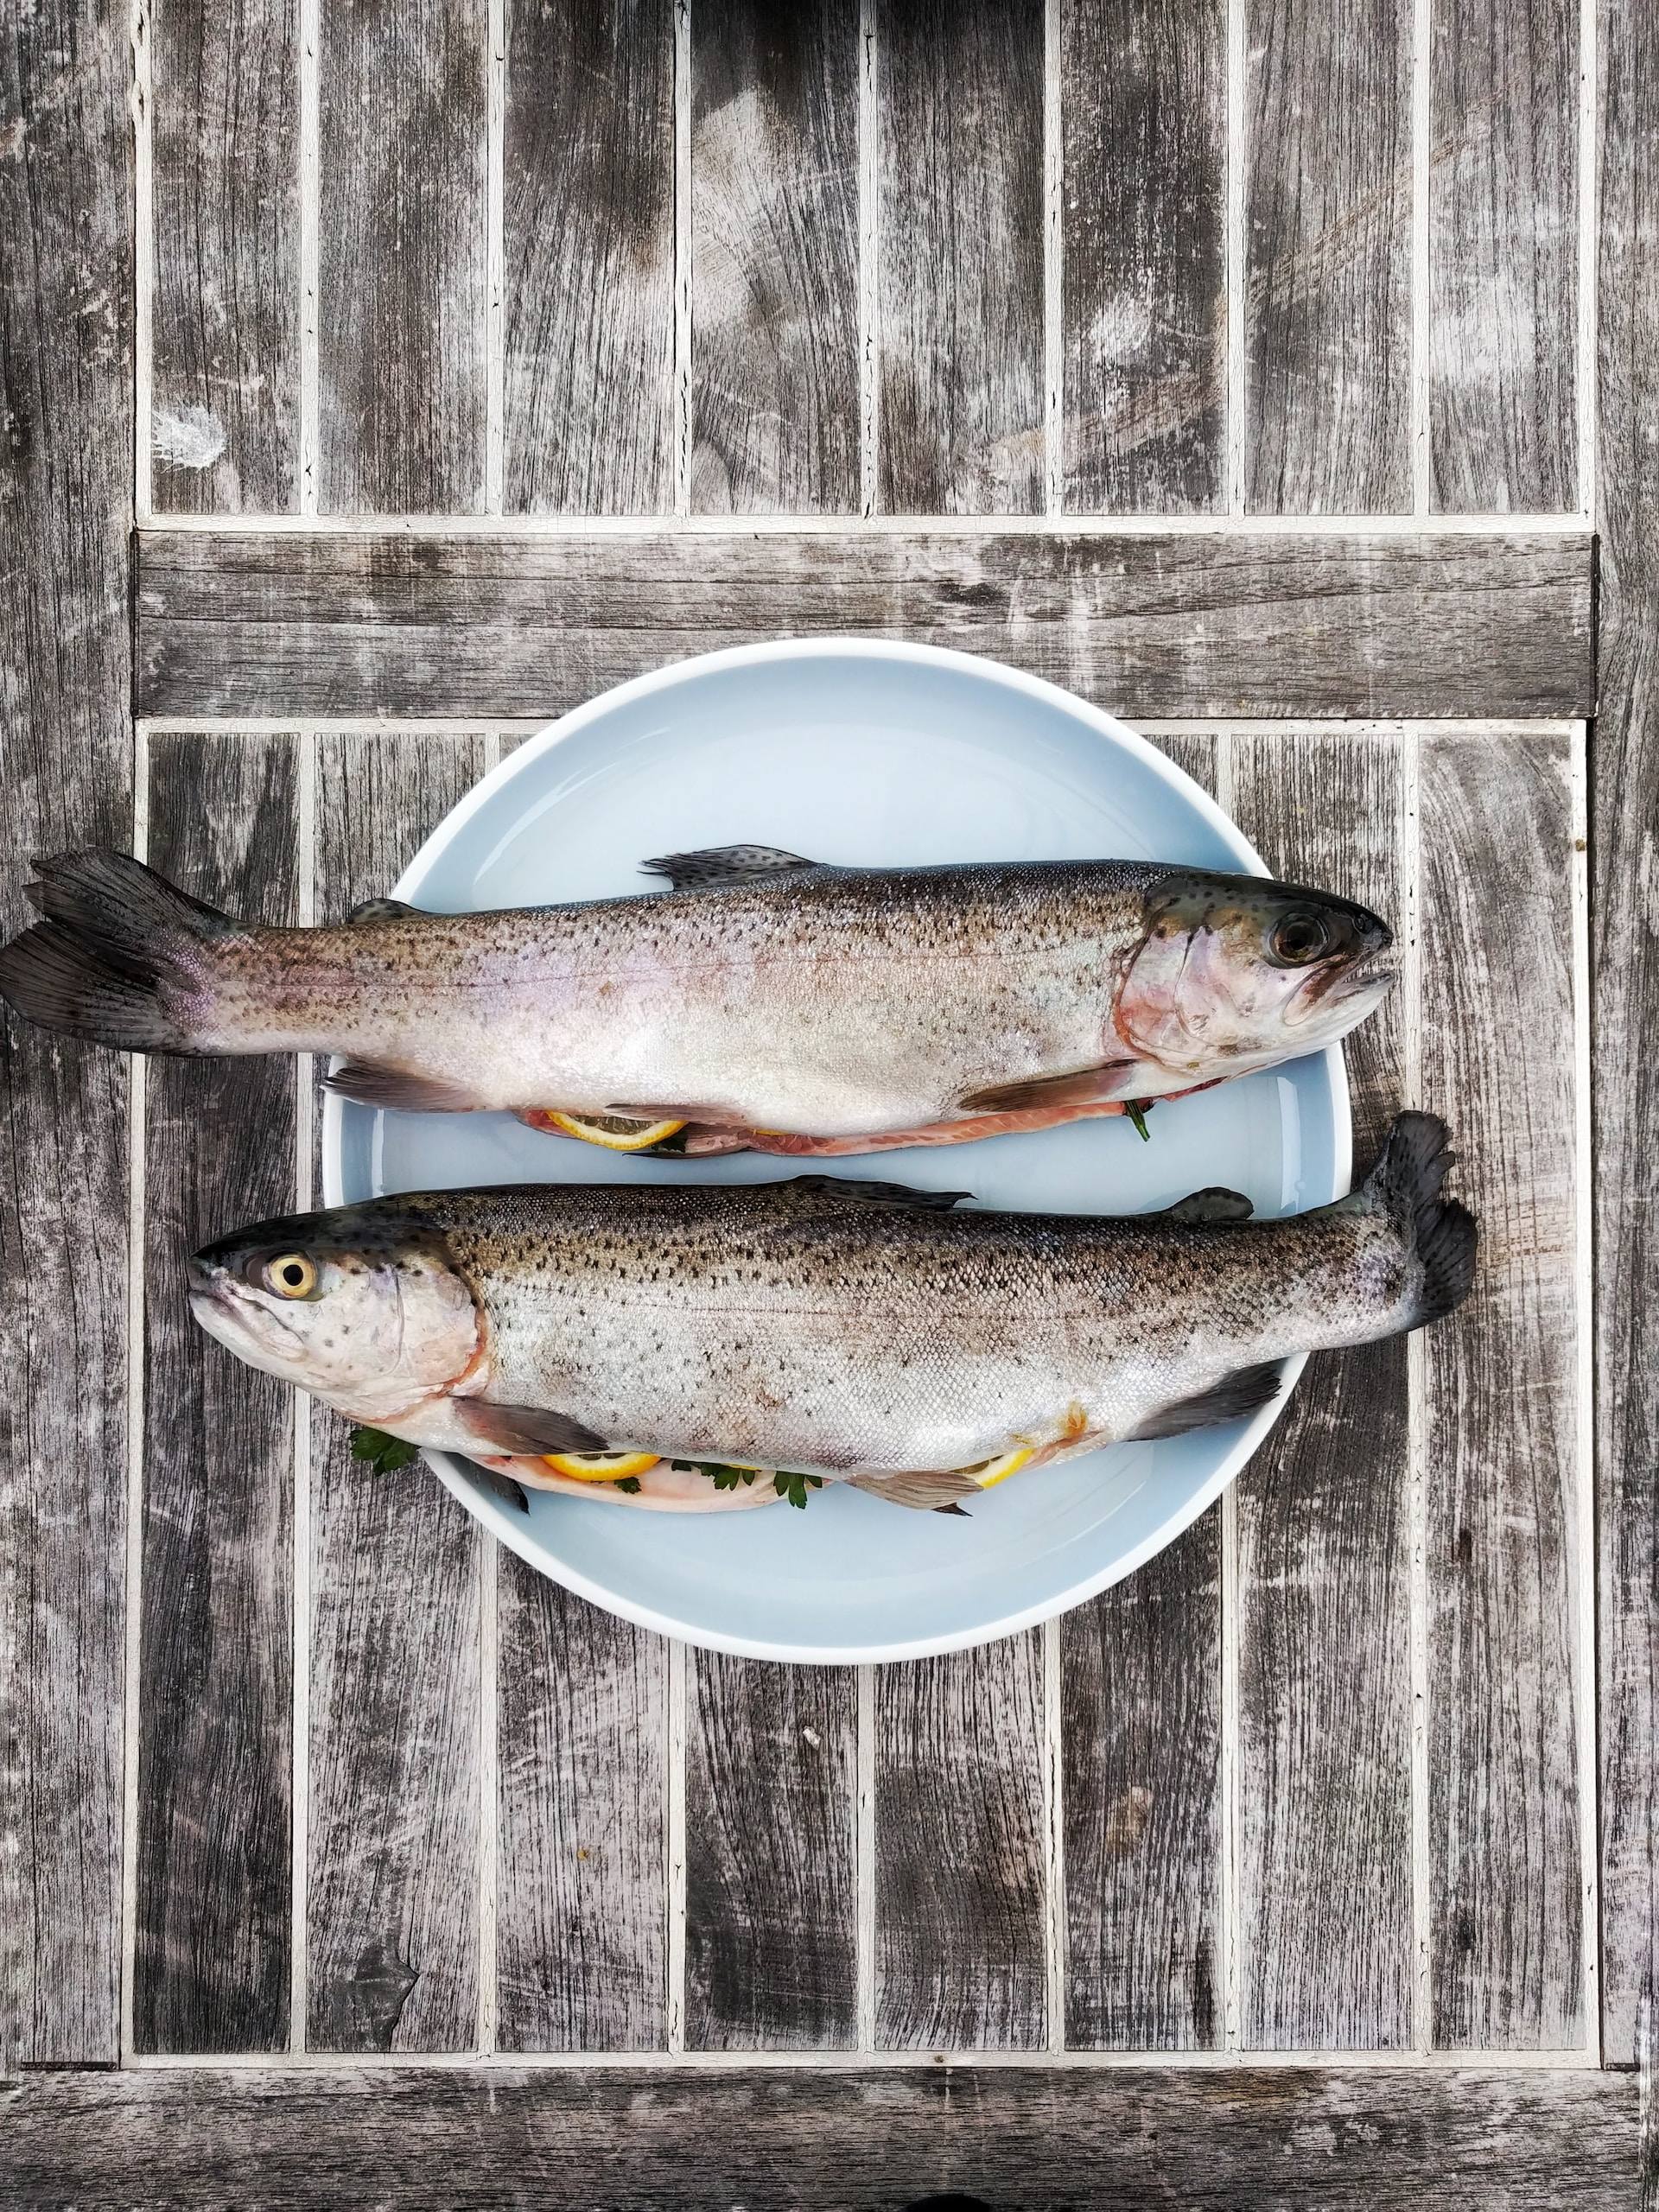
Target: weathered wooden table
point(1281, 373)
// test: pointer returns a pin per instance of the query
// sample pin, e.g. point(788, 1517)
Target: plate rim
point(506, 1526)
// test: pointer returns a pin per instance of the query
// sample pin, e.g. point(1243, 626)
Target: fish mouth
point(1342, 997)
point(220, 1305)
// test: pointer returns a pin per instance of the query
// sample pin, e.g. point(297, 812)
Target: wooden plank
point(225, 310)
point(1500, 1403)
point(1143, 111)
point(960, 282)
point(1140, 1795)
point(1504, 215)
point(1266, 623)
point(66, 336)
point(1291, 2140)
point(1141, 1721)
point(589, 244)
point(771, 1943)
point(774, 258)
point(215, 1681)
point(401, 258)
point(1327, 286)
point(393, 1754)
point(961, 1907)
point(1324, 1516)
point(1625, 794)
point(581, 1898)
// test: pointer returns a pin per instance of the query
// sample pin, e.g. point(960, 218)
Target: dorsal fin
point(384, 910)
point(874, 1194)
point(1214, 1205)
point(727, 864)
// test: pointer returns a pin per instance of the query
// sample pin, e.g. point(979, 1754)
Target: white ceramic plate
point(861, 752)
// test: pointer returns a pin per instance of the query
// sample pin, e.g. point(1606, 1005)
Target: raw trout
point(850, 1331)
point(765, 1002)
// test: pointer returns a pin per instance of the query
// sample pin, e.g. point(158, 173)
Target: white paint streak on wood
point(1587, 382)
point(304, 1144)
point(895, 524)
point(683, 331)
point(852, 2062)
point(1411, 1056)
point(1054, 272)
point(1237, 397)
point(864, 1930)
point(1589, 1764)
point(869, 220)
point(144, 270)
point(489, 1849)
point(675, 1843)
point(495, 60)
point(1227, 1761)
point(309, 171)
point(1422, 456)
point(1054, 1834)
point(133, 1581)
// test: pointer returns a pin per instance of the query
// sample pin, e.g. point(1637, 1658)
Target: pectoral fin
point(1083, 1087)
point(926, 1489)
point(721, 864)
point(1214, 1205)
point(1243, 1392)
point(522, 1428)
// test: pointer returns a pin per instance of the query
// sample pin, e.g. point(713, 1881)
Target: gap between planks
point(1095, 522)
point(309, 456)
point(1589, 1760)
point(474, 726)
point(1421, 2017)
point(1227, 1739)
point(300, 1745)
point(1422, 459)
point(140, 100)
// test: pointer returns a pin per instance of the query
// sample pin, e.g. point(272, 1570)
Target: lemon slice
point(986, 1471)
point(601, 1466)
point(614, 1131)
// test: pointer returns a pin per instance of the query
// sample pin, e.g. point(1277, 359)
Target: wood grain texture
point(215, 1668)
point(960, 281)
point(1624, 795)
point(771, 1821)
point(401, 257)
point(1141, 1726)
point(1141, 1734)
point(774, 258)
point(1324, 1517)
point(1288, 2140)
point(581, 1900)
point(1500, 1404)
point(1504, 215)
point(1269, 624)
point(589, 244)
point(394, 1813)
point(224, 429)
point(960, 1888)
point(1143, 114)
point(1327, 284)
point(66, 384)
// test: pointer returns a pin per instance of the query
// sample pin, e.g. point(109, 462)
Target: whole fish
point(765, 1002)
point(852, 1331)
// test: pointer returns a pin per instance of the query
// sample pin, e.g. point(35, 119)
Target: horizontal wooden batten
point(1247, 623)
point(1291, 2139)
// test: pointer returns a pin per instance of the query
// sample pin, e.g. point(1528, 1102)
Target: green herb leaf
point(385, 1454)
point(795, 1487)
point(629, 1483)
point(1137, 1113)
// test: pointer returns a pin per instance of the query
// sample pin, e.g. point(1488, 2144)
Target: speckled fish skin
point(812, 1002)
point(856, 1329)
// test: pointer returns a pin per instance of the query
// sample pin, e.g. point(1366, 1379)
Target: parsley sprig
point(385, 1454)
point(793, 1486)
point(1137, 1113)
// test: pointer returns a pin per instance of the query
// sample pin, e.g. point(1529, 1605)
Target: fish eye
point(1298, 937)
point(290, 1275)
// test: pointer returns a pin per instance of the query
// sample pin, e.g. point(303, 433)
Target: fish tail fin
point(1439, 1234)
point(117, 959)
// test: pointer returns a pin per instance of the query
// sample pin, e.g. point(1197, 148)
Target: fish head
point(1234, 972)
point(361, 1305)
